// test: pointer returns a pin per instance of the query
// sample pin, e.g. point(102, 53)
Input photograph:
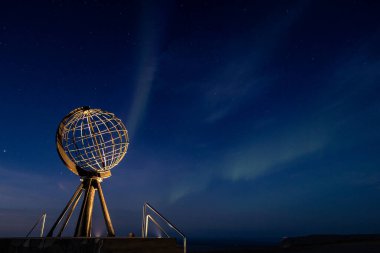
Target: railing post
point(146, 226)
point(42, 218)
point(43, 224)
point(143, 221)
point(146, 222)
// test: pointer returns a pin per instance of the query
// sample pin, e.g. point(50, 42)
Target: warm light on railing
point(43, 219)
point(148, 217)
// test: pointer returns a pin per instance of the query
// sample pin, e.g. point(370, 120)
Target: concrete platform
point(89, 245)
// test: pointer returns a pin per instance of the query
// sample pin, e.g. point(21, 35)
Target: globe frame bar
point(66, 150)
point(80, 146)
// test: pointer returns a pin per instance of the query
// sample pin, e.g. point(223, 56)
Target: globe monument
point(90, 143)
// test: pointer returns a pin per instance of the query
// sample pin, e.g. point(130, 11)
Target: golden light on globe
point(91, 141)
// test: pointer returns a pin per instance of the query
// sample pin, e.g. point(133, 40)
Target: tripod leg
point(84, 221)
point(69, 214)
point(79, 189)
point(107, 218)
point(91, 227)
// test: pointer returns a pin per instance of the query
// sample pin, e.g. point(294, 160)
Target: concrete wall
point(89, 245)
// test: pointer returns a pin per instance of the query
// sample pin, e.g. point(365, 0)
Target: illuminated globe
point(91, 141)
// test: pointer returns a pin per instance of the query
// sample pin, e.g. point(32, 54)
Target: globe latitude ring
point(91, 142)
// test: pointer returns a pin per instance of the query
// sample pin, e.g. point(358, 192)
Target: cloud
point(243, 78)
point(252, 158)
point(188, 183)
point(271, 153)
point(235, 84)
point(25, 196)
point(19, 189)
point(151, 33)
point(342, 106)
point(315, 127)
point(141, 97)
point(17, 222)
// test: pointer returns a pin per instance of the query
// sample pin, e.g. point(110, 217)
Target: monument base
point(92, 244)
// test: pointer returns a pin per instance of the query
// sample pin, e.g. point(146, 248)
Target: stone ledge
point(87, 245)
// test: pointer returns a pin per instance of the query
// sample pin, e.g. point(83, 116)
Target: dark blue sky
point(251, 119)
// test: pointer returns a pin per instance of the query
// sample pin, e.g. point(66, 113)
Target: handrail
point(156, 223)
point(43, 218)
point(146, 218)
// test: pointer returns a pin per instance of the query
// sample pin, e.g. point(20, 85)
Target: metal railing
point(43, 219)
point(145, 224)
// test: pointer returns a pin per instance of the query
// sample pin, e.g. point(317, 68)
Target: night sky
point(246, 119)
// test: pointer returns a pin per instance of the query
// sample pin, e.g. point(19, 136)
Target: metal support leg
point(79, 189)
point(68, 216)
point(143, 222)
point(107, 218)
point(84, 221)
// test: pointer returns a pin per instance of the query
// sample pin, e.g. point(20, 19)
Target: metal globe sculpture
point(90, 142)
